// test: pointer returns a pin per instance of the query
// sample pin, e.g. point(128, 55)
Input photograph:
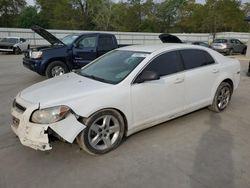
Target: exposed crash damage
point(36, 135)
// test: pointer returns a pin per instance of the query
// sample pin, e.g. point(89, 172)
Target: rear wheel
point(244, 51)
point(222, 97)
point(104, 132)
point(56, 68)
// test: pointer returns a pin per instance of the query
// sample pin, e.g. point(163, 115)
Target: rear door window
point(165, 64)
point(106, 43)
point(193, 58)
point(220, 41)
point(238, 42)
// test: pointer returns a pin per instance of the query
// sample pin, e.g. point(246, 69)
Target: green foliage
point(29, 17)
point(9, 10)
point(128, 15)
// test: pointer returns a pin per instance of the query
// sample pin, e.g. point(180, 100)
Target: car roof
point(226, 39)
point(159, 47)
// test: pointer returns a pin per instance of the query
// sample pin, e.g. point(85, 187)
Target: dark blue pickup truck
point(72, 52)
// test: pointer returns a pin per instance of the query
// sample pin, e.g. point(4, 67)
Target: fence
point(122, 37)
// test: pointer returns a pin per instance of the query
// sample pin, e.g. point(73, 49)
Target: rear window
point(196, 58)
point(220, 41)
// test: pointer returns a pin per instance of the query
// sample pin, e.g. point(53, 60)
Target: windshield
point(114, 66)
point(220, 41)
point(10, 40)
point(69, 39)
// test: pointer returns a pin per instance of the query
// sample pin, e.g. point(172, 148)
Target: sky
point(32, 2)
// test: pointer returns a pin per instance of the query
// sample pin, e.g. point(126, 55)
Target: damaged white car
point(122, 92)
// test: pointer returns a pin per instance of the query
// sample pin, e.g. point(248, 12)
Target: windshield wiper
point(97, 78)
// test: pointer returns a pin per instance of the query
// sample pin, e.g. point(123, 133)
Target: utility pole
point(248, 47)
point(247, 19)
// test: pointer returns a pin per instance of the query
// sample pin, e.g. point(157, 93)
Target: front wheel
point(230, 52)
point(104, 132)
point(222, 97)
point(17, 51)
point(56, 68)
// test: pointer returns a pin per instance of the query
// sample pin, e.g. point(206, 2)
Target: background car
point(14, 45)
point(72, 52)
point(201, 44)
point(229, 46)
point(124, 91)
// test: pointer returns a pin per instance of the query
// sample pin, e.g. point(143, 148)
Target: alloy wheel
point(223, 97)
point(104, 132)
point(57, 71)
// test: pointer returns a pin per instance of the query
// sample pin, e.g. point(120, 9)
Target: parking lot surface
point(200, 150)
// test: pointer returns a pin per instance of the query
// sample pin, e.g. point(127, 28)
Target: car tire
point(244, 51)
point(230, 52)
point(104, 132)
point(17, 51)
point(56, 68)
point(222, 97)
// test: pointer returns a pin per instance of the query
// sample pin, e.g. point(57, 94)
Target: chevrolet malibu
point(122, 92)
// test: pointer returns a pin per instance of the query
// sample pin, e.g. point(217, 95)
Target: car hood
point(61, 89)
point(46, 35)
point(7, 44)
point(167, 38)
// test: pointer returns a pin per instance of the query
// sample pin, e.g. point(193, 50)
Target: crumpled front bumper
point(36, 135)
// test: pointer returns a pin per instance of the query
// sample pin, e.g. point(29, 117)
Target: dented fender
point(35, 135)
point(68, 128)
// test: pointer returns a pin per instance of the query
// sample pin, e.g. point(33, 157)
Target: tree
point(128, 15)
point(169, 13)
point(223, 15)
point(29, 17)
point(149, 20)
point(9, 11)
point(101, 13)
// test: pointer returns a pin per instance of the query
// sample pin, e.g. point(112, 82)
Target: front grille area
point(19, 107)
point(15, 121)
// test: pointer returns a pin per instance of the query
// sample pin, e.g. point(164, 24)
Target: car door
point(159, 100)
point(201, 73)
point(235, 45)
point(240, 46)
point(84, 50)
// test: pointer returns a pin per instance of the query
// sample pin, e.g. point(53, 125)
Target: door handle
point(215, 70)
point(178, 80)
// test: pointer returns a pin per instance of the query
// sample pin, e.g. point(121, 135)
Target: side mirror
point(147, 76)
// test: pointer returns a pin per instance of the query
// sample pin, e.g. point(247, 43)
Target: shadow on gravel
point(213, 165)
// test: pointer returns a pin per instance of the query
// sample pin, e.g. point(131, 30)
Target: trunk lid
point(168, 38)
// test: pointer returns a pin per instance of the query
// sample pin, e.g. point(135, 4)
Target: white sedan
point(122, 92)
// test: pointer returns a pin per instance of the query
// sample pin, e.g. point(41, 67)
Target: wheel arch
point(111, 108)
point(53, 60)
point(226, 79)
point(229, 81)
